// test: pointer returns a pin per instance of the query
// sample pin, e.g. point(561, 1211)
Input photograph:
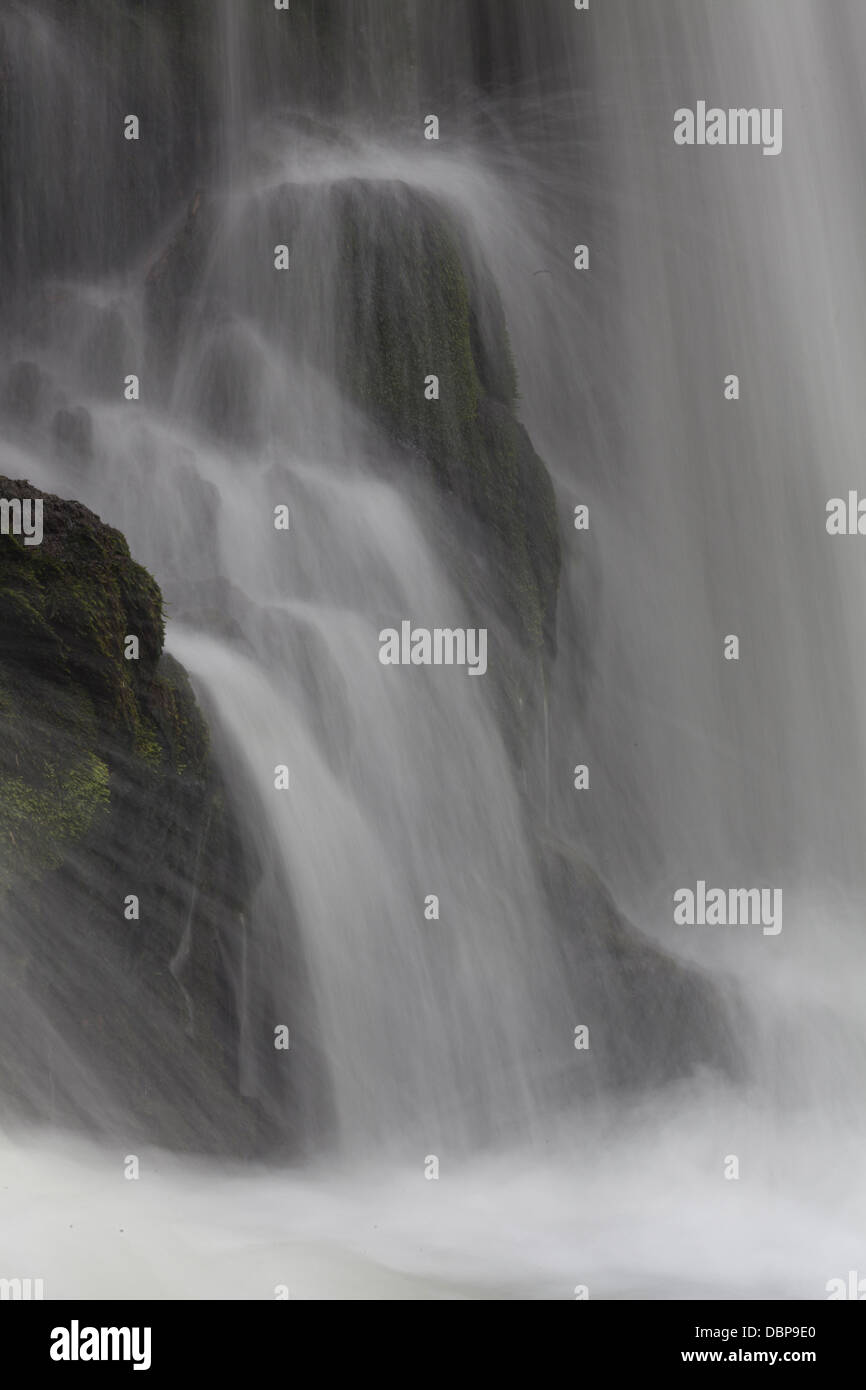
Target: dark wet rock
point(108, 789)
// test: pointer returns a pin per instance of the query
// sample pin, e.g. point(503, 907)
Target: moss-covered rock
point(66, 608)
point(419, 304)
point(108, 792)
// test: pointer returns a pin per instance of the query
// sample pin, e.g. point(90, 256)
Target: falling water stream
point(707, 518)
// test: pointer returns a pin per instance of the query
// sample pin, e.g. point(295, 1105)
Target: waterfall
point(451, 1032)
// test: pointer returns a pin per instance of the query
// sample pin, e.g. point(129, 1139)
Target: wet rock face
point(82, 210)
point(426, 356)
point(653, 1019)
point(124, 877)
point(100, 197)
point(24, 391)
point(72, 431)
point(419, 306)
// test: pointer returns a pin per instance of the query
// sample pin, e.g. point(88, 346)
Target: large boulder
point(110, 1013)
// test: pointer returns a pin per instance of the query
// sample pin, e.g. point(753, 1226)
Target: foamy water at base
point(636, 1208)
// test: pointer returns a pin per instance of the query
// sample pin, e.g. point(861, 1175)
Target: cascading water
point(455, 1037)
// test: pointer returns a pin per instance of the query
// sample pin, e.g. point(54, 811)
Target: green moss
point(39, 824)
point(148, 745)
